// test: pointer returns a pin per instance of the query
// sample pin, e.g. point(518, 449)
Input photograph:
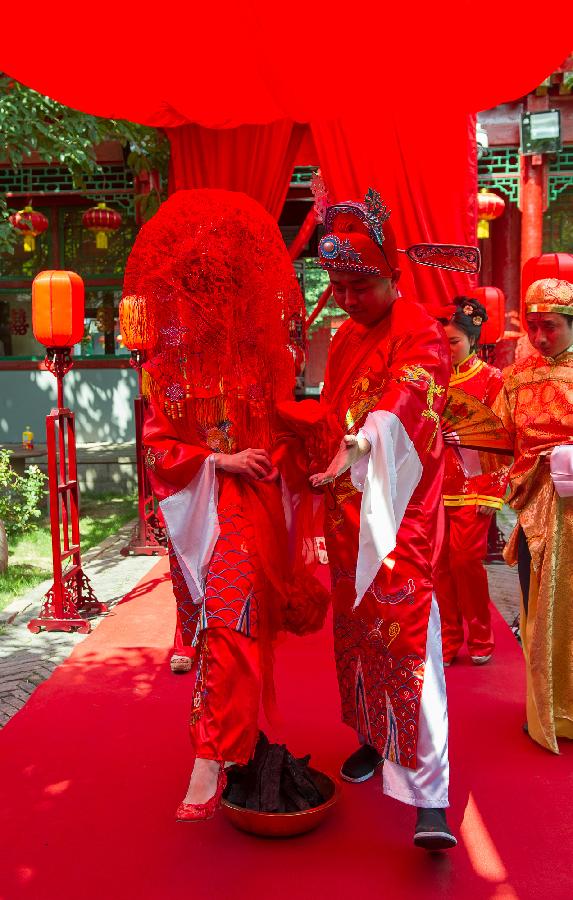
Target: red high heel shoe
point(200, 812)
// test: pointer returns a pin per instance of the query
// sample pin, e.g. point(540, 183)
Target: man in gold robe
point(536, 407)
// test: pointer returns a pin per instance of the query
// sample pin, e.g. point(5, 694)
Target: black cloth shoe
point(361, 765)
point(432, 832)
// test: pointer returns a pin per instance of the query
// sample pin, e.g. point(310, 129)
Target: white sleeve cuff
point(388, 476)
point(193, 526)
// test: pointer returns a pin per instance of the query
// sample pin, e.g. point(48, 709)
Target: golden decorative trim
point(393, 632)
point(472, 500)
point(466, 359)
point(549, 307)
point(465, 376)
point(418, 373)
point(363, 398)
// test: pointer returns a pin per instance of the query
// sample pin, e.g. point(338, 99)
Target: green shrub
point(20, 496)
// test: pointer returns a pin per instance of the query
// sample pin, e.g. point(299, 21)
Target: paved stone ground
point(503, 580)
point(28, 659)
point(504, 590)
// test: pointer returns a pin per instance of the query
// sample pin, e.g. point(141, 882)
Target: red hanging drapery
point(430, 185)
point(430, 190)
point(255, 159)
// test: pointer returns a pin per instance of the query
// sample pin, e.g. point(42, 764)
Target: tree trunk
point(3, 548)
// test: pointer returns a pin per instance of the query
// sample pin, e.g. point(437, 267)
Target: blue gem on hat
point(329, 246)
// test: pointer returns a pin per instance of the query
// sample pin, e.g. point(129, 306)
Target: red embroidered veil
point(222, 316)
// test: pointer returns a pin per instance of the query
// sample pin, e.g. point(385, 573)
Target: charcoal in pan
point(290, 794)
point(270, 780)
point(253, 774)
point(303, 781)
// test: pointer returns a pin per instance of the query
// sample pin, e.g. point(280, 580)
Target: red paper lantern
point(549, 265)
point(489, 207)
point(493, 299)
point(137, 332)
point(103, 221)
point(31, 224)
point(58, 308)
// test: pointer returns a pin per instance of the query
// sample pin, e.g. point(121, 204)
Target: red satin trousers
point(460, 582)
point(226, 696)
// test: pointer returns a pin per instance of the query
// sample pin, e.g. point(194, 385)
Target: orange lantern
point(493, 299)
point(103, 221)
point(58, 308)
point(489, 207)
point(137, 332)
point(31, 224)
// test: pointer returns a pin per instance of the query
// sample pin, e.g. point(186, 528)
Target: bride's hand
point(255, 464)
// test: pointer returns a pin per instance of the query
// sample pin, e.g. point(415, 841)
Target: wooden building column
point(506, 274)
point(533, 179)
point(533, 192)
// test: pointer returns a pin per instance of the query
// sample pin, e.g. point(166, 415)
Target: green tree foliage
point(315, 282)
point(20, 496)
point(8, 235)
point(30, 122)
point(558, 224)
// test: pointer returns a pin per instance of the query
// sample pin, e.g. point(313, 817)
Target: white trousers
point(427, 785)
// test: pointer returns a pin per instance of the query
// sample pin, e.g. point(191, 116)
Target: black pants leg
point(523, 567)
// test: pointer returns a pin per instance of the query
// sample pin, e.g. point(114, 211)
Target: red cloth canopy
point(375, 93)
point(227, 63)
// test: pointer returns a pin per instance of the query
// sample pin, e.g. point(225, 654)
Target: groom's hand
point(352, 448)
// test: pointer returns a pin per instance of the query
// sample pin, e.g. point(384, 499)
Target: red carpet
point(93, 767)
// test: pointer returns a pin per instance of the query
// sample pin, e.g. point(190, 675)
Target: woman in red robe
point(221, 307)
point(470, 497)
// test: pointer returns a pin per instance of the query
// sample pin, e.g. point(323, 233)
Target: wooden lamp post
point(58, 324)
point(138, 336)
